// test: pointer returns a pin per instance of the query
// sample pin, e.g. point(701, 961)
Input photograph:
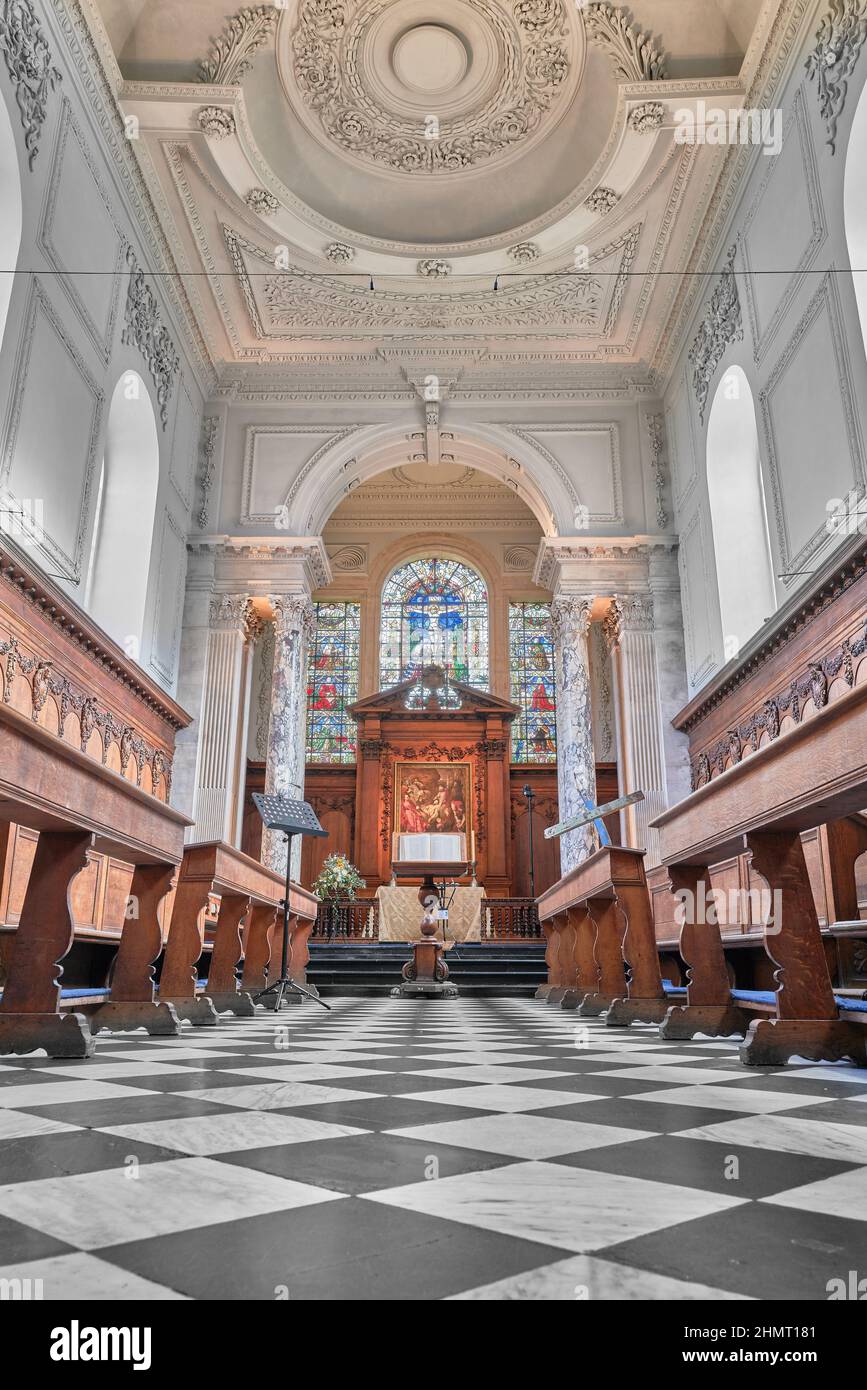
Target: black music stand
point(293, 818)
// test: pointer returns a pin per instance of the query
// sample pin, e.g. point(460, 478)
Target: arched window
point(126, 504)
point(434, 613)
point(855, 207)
point(10, 213)
point(737, 505)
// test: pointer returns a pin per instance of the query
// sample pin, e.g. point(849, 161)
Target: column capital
point(628, 613)
point(230, 612)
point(293, 613)
point(570, 616)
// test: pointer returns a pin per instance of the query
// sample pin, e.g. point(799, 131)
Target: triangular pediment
point(393, 701)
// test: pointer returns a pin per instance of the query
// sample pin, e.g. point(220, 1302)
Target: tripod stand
point(285, 982)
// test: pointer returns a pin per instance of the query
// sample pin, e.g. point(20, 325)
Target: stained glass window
point(434, 613)
point(332, 684)
point(531, 672)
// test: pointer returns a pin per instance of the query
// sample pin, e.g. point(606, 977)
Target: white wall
point(802, 353)
point(82, 205)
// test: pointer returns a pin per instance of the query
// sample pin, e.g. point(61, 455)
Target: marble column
point(220, 764)
point(287, 732)
point(631, 632)
point(576, 763)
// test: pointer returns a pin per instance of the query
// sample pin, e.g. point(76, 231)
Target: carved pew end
point(160, 1020)
point(573, 999)
point(61, 1035)
point(542, 992)
point(623, 1012)
point(556, 995)
point(713, 1020)
point(770, 1042)
point(199, 1012)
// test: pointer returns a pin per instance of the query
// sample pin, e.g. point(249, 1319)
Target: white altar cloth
point(400, 914)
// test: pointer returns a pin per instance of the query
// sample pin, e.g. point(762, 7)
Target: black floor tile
point(350, 1249)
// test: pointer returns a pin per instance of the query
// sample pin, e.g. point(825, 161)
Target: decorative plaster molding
point(632, 53)
point(325, 44)
point(101, 334)
point(168, 669)
point(763, 333)
point(524, 253)
point(230, 611)
point(350, 559)
point(207, 448)
point(339, 253)
point(260, 201)
point(602, 200)
point(216, 122)
point(434, 268)
point(656, 433)
point(839, 40)
point(28, 61)
point(826, 301)
point(646, 117)
point(721, 327)
point(232, 54)
point(145, 330)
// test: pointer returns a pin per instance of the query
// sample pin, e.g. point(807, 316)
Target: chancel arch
point(513, 460)
point(738, 513)
point(125, 509)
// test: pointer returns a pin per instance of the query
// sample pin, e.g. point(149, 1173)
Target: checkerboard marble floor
point(466, 1149)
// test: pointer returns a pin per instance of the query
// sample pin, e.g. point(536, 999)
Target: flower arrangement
point(338, 879)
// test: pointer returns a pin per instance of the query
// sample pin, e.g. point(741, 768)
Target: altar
point(400, 914)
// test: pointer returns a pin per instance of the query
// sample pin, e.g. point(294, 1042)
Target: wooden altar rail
point(510, 919)
point(348, 921)
point(814, 774)
point(598, 924)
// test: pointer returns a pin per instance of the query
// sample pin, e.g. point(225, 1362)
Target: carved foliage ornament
point(656, 435)
point(232, 54)
point(722, 326)
point(325, 42)
point(632, 53)
point(144, 329)
point(207, 447)
point(45, 681)
point(216, 122)
point(28, 62)
point(648, 116)
point(602, 200)
point(839, 40)
point(260, 200)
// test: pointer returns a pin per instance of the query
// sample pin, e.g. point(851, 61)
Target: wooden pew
point(603, 958)
point(78, 806)
point(247, 890)
point(814, 774)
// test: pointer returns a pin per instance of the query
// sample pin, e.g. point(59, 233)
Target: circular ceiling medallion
point(429, 59)
point(431, 86)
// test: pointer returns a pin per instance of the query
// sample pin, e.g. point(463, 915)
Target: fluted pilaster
point(223, 720)
point(630, 629)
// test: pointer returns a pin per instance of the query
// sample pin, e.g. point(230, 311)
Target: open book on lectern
point(431, 849)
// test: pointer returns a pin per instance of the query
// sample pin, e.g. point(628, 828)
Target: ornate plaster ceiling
point(414, 176)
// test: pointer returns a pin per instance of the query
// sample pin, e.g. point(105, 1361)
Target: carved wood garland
point(475, 753)
point(813, 684)
point(36, 657)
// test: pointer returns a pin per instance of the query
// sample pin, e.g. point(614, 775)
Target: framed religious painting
point(432, 798)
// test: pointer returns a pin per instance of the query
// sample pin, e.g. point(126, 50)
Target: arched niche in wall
point(855, 207)
point(738, 515)
point(126, 505)
point(11, 213)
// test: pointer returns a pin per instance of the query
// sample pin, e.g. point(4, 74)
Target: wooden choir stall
point(93, 856)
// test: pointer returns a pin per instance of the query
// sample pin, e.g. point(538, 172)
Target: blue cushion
point(673, 989)
point(82, 993)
